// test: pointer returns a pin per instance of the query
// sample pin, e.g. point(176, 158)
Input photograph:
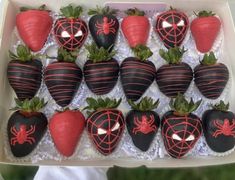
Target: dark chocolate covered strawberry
point(34, 26)
point(105, 124)
point(137, 73)
point(142, 122)
point(180, 128)
point(171, 27)
point(101, 70)
point(219, 127)
point(211, 77)
point(70, 31)
point(63, 77)
point(24, 73)
point(66, 128)
point(176, 76)
point(103, 26)
point(26, 126)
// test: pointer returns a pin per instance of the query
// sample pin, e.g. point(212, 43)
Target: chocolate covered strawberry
point(66, 128)
point(180, 128)
point(176, 76)
point(137, 73)
point(103, 26)
point(101, 70)
point(171, 27)
point(34, 26)
point(26, 126)
point(70, 31)
point(219, 127)
point(211, 77)
point(105, 124)
point(63, 77)
point(205, 29)
point(135, 27)
point(142, 122)
point(24, 73)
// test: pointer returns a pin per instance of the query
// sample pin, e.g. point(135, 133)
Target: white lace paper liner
point(85, 149)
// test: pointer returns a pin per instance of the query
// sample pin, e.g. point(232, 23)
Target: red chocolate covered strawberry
point(205, 28)
point(100, 70)
point(70, 31)
point(63, 77)
point(34, 26)
point(135, 27)
point(105, 124)
point(24, 73)
point(66, 128)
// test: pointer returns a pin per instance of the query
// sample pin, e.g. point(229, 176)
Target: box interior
point(10, 9)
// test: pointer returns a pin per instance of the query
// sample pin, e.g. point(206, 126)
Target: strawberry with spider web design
point(180, 128)
point(105, 124)
point(70, 32)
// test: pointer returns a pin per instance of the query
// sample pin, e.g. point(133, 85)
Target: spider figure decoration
point(22, 136)
point(144, 125)
point(225, 128)
point(106, 26)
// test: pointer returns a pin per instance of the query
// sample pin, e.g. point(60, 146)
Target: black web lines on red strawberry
point(137, 73)
point(63, 77)
point(105, 124)
point(176, 76)
point(70, 31)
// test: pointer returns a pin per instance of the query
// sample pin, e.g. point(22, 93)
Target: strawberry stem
point(134, 12)
point(182, 107)
point(209, 59)
point(41, 8)
point(106, 11)
point(204, 13)
point(142, 52)
point(173, 55)
point(221, 106)
point(97, 54)
point(71, 11)
point(23, 54)
point(146, 104)
point(67, 56)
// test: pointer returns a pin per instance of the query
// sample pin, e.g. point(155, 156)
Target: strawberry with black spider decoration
point(24, 73)
point(180, 128)
point(63, 77)
point(205, 29)
point(66, 128)
point(101, 70)
point(211, 77)
point(219, 127)
point(34, 26)
point(26, 126)
point(137, 73)
point(70, 31)
point(105, 124)
point(171, 27)
point(104, 26)
point(176, 76)
point(142, 122)
point(135, 27)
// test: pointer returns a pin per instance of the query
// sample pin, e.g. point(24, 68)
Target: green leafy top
point(173, 55)
point(100, 104)
point(67, 56)
point(142, 52)
point(134, 12)
point(41, 8)
point(204, 14)
point(182, 107)
point(102, 11)
point(146, 104)
point(99, 54)
point(29, 106)
point(209, 59)
point(221, 106)
point(71, 11)
point(23, 54)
